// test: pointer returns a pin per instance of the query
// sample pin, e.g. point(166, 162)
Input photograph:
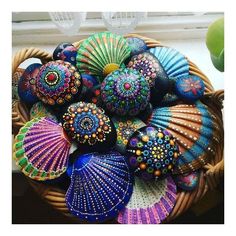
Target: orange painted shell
point(196, 131)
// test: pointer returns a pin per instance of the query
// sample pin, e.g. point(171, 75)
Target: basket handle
point(27, 53)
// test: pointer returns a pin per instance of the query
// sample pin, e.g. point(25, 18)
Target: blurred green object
point(215, 43)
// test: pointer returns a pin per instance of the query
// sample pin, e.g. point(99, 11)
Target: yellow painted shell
point(196, 131)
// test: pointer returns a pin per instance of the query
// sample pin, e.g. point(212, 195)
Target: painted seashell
point(69, 54)
point(26, 84)
point(41, 149)
point(152, 153)
point(101, 185)
point(137, 45)
point(125, 92)
point(40, 110)
point(174, 63)
point(147, 65)
point(125, 127)
point(57, 52)
point(195, 130)
point(89, 126)
point(102, 53)
point(190, 88)
point(151, 202)
point(58, 83)
point(187, 182)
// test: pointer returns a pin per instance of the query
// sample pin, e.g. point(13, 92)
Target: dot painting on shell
point(130, 123)
point(101, 185)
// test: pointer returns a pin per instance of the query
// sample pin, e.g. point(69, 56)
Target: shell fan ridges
point(41, 149)
point(101, 185)
point(194, 128)
point(150, 203)
point(102, 53)
point(174, 63)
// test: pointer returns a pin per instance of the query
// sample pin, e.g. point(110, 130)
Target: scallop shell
point(102, 53)
point(195, 130)
point(174, 63)
point(150, 203)
point(41, 149)
point(101, 185)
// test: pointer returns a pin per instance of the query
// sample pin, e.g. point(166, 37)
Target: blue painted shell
point(174, 63)
point(101, 185)
point(195, 130)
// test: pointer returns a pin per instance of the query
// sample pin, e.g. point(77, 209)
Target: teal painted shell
point(102, 53)
point(195, 130)
point(174, 63)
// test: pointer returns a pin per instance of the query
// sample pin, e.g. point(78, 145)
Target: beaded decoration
point(195, 130)
point(125, 92)
point(58, 83)
point(153, 152)
point(40, 110)
point(137, 45)
point(86, 123)
point(151, 202)
point(190, 88)
point(26, 84)
point(125, 127)
point(148, 65)
point(101, 185)
point(41, 149)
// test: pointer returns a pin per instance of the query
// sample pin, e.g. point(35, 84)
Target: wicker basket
point(209, 176)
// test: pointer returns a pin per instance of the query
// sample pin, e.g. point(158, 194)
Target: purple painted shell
point(150, 203)
point(41, 149)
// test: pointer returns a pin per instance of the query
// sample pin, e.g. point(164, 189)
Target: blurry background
point(184, 31)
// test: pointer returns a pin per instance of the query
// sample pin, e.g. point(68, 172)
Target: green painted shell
point(102, 53)
point(41, 149)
